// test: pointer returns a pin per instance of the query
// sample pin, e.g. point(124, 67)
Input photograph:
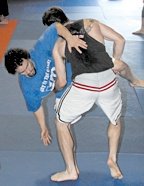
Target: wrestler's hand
point(119, 66)
point(77, 43)
point(45, 136)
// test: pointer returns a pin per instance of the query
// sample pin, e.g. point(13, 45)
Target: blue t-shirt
point(35, 88)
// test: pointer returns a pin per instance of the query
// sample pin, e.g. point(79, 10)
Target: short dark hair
point(54, 14)
point(13, 59)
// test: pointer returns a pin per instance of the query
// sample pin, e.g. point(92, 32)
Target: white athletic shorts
point(56, 108)
point(89, 89)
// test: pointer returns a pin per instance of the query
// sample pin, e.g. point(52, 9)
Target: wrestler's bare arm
point(120, 66)
point(59, 59)
point(101, 32)
point(112, 35)
point(40, 117)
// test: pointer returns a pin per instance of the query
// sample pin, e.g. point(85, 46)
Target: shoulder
point(90, 21)
point(50, 30)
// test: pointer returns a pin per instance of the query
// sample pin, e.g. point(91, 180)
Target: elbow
point(62, 84)
point(121, 40)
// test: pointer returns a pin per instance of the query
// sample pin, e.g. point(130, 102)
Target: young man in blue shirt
point(36, 71)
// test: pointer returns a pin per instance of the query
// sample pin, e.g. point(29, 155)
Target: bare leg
point(74, 152)
point(113, 139)
point(124, 71)
point(141, 30)
point(67, 149)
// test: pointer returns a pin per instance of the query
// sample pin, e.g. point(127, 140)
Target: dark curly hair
point(13, 59)
point(54, 14)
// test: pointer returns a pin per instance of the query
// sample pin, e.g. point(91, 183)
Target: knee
point(60, 125)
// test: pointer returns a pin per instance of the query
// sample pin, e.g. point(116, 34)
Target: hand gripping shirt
point(35, 88)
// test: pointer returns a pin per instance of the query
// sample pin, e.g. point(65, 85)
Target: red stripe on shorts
point(96, 89)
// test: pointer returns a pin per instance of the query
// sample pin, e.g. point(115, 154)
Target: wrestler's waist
point(96, 79)
point(94, 88)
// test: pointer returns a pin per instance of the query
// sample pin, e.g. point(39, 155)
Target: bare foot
point(77, 170)
point(139, 32)
point(3, 20)
point(114, 169)
point(138, 83)
point(64, 176)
